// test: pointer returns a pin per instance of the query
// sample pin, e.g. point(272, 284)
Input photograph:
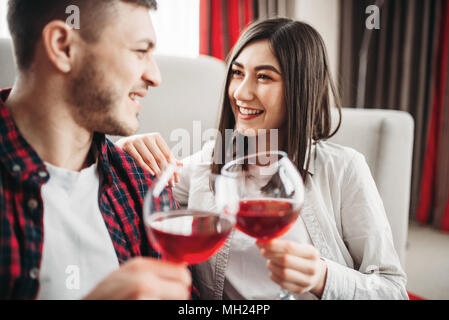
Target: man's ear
point(58, 41)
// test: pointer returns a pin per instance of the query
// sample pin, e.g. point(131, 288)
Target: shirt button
point(43, 174)
point(34, 273)
point(16, 168)
point(33, 204)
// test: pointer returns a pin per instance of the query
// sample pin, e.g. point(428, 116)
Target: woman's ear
point(58, 41)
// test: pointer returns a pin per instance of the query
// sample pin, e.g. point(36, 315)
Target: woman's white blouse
point(345, 220)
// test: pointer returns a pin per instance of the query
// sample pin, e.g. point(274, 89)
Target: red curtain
point(434, 186)
point(221, 22)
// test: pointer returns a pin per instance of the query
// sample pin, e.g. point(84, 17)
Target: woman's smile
point(249, 113)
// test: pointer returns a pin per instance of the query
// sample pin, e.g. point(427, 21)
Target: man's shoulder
point(125, 166)
point(117, 153)
point(1, 183)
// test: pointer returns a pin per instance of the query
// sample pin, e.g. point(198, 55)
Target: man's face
point(115, 72)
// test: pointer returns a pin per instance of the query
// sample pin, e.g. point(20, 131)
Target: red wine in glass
point(266, 219)
point(187, 235)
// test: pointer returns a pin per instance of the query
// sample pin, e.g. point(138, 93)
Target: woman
point(341, 246)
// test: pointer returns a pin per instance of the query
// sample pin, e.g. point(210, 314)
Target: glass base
point(286, 295)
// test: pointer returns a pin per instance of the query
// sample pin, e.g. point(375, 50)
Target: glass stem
point(286, 295)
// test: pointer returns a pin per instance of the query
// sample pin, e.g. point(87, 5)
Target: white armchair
point(189, 99)
point(385, 138)
point(7, 68)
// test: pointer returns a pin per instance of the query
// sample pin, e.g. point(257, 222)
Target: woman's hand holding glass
point(271, 196)
point(294, 266)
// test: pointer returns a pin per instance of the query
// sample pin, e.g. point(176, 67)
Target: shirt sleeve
point(377, 272)
point(191, 167)
point(182, 188)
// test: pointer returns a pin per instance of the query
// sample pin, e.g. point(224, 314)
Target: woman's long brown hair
point(302, 55)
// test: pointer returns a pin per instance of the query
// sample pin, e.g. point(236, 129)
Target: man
point(71, 202)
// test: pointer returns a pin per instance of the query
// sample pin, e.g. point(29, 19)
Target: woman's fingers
point(296, 267)
point(147, 155)
point(132, 151)
point(165, 149)
point(156, 152)
point(290, 275)
point(305, 266)
point(152, 153)
point(279, 246)
point(169, 157)
point(291, 255)
point(291, 287)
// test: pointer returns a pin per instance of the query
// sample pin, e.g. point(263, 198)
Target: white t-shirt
point(78, 252)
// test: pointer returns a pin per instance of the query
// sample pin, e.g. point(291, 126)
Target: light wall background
point(3, 25)
point(324, 16)
point(176, 23)
point(177, 26)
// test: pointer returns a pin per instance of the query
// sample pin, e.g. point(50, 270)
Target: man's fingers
point(161, 268)
point(145, 278)
point(162, 289)
point(148, 286)
point(171, 290)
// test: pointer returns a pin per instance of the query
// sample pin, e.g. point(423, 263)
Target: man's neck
point(45, 121)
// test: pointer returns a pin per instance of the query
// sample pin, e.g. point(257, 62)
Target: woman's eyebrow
point(267, 67)
point(258, 68)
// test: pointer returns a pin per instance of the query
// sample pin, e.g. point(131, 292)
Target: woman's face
point(256, 90)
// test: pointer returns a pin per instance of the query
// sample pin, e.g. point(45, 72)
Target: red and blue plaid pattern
point(22, 174)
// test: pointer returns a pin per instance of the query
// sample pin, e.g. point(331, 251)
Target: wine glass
point(183, 235)
point(271, 195)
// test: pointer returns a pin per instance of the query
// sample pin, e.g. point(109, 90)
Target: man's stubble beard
point(94, 103)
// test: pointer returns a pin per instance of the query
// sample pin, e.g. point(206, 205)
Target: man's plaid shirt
point(23, 173)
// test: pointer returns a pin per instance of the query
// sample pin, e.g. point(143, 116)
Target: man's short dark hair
point(27, 19)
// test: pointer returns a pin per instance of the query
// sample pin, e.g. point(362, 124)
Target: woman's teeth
point(249, 111)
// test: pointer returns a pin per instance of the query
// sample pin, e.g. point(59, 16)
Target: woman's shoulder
point(336, 151)
point(201, 158)
point(337, 156)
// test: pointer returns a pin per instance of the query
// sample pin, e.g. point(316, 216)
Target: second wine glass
point(271, 195)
